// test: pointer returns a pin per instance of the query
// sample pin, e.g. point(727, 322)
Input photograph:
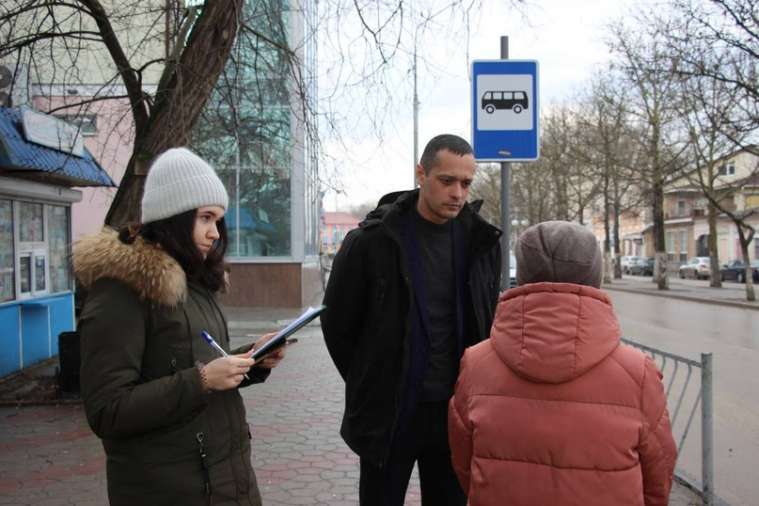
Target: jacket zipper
point(405, 276)
point(200, 437)
point(240, 414)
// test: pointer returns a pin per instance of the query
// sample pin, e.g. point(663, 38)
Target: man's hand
point(273, 359)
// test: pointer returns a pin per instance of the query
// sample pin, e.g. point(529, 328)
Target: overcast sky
point(567, 38)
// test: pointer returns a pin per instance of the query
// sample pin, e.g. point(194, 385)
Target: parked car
point(643, 267)
point(696, 268)
point(736, 271)
point(624, 261)
point(631, 263)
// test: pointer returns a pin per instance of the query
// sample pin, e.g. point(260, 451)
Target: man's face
point(444, 190)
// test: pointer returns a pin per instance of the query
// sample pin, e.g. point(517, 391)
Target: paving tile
point(49, 456)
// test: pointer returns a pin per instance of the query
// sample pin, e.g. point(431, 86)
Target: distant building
point(334, 228)
point(686, 223)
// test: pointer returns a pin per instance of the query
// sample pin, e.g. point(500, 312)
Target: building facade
point(686, 223)
point(335, 226)
point(259, 132)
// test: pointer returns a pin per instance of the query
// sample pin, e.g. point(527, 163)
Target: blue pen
point(210, 340)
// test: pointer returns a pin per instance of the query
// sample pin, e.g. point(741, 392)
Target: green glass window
point(245, 133)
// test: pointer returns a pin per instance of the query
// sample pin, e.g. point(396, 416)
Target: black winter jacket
point(367, 324)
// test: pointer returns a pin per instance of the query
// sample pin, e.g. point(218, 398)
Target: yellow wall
point(752, 201)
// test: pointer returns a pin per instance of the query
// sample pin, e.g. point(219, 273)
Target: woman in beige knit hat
point(164, 402)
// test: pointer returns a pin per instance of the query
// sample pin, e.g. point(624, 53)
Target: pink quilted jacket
point(553, 410)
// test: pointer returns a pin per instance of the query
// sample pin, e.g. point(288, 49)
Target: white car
point(629, 262)
point(696, 268)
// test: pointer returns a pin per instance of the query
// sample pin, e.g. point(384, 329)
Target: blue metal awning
point(21, 157)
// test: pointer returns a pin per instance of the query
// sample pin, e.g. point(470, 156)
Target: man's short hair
point(450, 142)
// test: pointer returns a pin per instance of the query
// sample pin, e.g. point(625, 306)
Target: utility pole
point(505, 190)
point(416, 120)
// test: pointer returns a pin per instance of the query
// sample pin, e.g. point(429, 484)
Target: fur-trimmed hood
point(144, 267)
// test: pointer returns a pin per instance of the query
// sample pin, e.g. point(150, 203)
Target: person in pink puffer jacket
point(553, 409)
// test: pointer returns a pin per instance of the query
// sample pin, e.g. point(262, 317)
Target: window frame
point(32, 249)
point(669, 244)
point(683, 245)
point(13, 252)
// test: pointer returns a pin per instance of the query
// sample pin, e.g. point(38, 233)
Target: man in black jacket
point(413, 286)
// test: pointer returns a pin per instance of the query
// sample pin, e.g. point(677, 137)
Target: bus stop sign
point(505, 110)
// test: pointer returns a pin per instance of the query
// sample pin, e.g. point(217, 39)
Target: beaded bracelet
point(203, 376)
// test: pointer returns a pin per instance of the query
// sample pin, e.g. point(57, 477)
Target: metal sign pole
point(505, 190)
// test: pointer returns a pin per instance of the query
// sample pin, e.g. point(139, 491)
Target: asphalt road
point(731, 334)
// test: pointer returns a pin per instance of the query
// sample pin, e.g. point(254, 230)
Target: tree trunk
point(617, 251)
point(182, 93)
point(608, 267)
point(715, 280)
point(748, 274)
point(607, 236)
point(660, 269)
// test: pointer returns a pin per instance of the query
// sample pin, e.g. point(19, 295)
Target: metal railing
point(681, 394)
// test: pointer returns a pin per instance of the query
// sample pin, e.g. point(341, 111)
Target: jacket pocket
point(359, 387)
point(368, 390)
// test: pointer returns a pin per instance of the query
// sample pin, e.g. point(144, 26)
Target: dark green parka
point(166, 441)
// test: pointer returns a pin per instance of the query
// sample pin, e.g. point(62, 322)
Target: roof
point(26, 159)
point(331, 218)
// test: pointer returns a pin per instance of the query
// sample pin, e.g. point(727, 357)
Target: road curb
point(663, 293)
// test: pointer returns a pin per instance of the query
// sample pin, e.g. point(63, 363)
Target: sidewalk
point(731, 294)
point(49, 456)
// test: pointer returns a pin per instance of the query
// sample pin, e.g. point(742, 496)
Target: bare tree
point(487, 187)
point(203, 40)
point(710, 150)
point(532, 198)
point(713, 48)
point(558, 186)
point(168, 55)
point(718, 41)
point(647, 69)
point(604, 146)
point(558, 139)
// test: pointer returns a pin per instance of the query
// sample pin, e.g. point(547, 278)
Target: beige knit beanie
point(558, 252)
point(178, 181)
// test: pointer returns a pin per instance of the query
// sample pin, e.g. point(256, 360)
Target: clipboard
point(281, 337)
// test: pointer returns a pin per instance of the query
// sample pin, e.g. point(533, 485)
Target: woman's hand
point(225, 373)
point(273, 359)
